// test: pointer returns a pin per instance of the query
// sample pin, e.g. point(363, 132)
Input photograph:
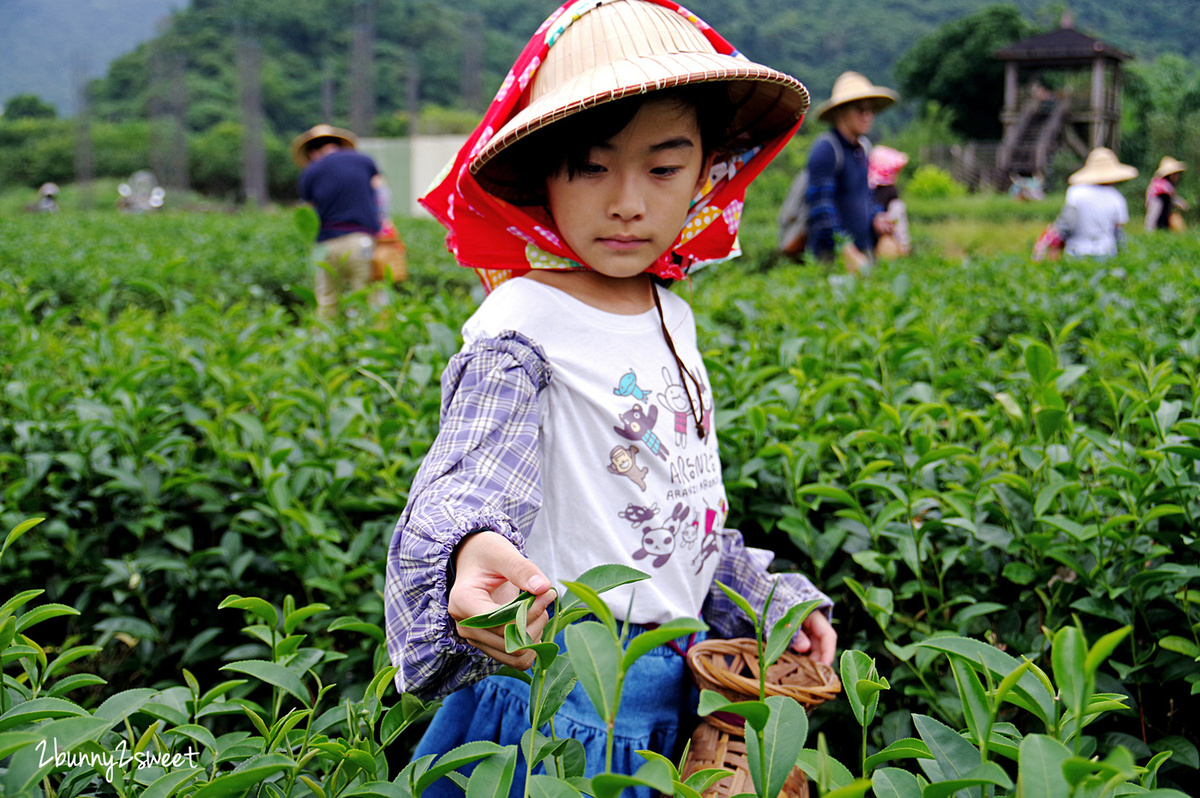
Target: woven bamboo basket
point(730, 667)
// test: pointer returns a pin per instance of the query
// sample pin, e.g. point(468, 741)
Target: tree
point(28, 106)
point(954, 66)
point(1161, 111)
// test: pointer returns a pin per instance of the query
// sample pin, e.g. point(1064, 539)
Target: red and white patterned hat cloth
point(590, 52)
point(884, 165)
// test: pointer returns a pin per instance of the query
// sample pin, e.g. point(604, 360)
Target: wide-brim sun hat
point(1169, 166)
point(321, 131)
point(1102, 167)
point(884, 165)
point(851, 87)
point(614, 49)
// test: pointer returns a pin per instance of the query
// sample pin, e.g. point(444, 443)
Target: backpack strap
point(839, 158)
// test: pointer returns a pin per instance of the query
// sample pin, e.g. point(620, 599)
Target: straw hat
point(852, 87)
point(1102, 167)
point(1169, 166)
point(611, 49)
point(321, 131)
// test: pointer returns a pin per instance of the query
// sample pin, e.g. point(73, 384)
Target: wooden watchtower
point(1037, 120)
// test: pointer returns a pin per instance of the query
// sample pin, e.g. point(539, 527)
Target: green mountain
point(425, 42)
point(46, 42)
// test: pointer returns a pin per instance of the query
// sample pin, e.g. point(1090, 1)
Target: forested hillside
point(303, 40)
point(44, 42)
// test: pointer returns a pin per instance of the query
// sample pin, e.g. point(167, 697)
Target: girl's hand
point(816, 638)
point(490, 573)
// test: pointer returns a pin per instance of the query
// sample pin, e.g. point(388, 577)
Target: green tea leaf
point(273, 674)
point(254, 606)
point(1180, 645)
point(1103, 648)
point(1048, 421)
point(955, 755)
point(907, 748)
point(895, 783)
point(252, 772)
point(591, 598)
point(976, 707)
point(813, 762)
point(653, 638)
point(596, 658)
point(654, 774)
point(738, 599)
point(294, 618)
point(38, 709)
point(1028, 693)
point(171, 782)
point(784, 630)
point(560, 680)
point(457, 758)
point(782, 740)
point(1068, 655)
point(987, 773)
point(1040, 767)
point(603, 578)
point(16, 532)
point(756, 713)
point(541, 786)
point(858, 668)
point(1039, 362)
point(500, 615)
point(493, 776)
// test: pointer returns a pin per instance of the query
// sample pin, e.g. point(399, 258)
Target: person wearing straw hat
point(1163, 206)
point(351, 200)
point(1094, 211)
point(840, 201)
point(613, 160)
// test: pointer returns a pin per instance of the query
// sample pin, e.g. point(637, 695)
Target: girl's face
point(627, 204)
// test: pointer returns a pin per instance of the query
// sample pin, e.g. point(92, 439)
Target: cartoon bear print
point(659, 542)
point(639, 426)
point(676, 399)
point(638, 515)
point(623, 462)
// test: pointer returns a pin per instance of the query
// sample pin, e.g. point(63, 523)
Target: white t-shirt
point(625, 476)
point(1099, 210)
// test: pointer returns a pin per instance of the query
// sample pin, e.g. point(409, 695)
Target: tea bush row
point(984, 448)
point(990, 447)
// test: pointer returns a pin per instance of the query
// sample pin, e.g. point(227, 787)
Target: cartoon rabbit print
point(675, 398)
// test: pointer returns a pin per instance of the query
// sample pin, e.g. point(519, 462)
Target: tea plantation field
point(979, 448)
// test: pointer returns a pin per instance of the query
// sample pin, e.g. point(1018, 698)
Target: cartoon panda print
point(659, 542)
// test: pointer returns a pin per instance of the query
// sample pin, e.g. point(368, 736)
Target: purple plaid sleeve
point(481, 473)
point(745, 570)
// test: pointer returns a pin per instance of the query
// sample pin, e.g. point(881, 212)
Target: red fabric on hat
point(498, 238)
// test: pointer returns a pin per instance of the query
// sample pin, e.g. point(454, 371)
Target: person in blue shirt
point(351, 200)
point(842, 209)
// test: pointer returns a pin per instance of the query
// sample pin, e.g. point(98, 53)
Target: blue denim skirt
point(658, 701)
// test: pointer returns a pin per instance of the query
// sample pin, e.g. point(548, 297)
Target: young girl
point(614, 158)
